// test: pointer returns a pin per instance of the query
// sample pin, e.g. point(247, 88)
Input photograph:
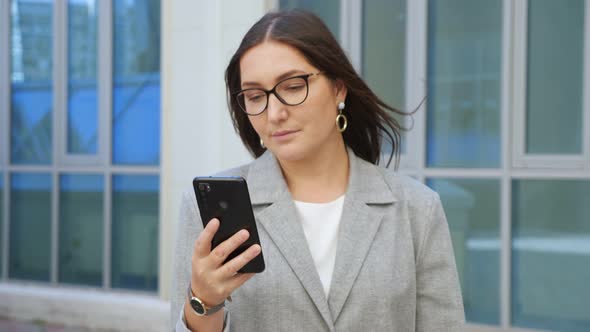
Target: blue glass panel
point(135, 232)
point(551, 254)
point(82, 77)
point(472, 207)
point(555, 58)
point(31, 79)
point(464, 78)
point(384, 49)
point(328, 11)
point(136, 94)
point(81, 229)
point(30, 227)
point(384, 54)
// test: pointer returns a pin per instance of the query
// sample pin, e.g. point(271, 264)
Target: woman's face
point(292, 133)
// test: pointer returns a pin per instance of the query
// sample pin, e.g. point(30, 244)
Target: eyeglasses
point(291, 91)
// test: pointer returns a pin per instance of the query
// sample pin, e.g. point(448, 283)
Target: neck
point(320, 178)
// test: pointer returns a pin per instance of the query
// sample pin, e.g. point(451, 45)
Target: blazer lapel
point(267, 186)
point(361, 218)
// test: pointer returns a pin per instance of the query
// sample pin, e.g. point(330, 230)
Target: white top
point(321, 222)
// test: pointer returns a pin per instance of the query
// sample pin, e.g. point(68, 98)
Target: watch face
point(197, 307)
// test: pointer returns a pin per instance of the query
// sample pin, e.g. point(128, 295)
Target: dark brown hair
point(369, 119)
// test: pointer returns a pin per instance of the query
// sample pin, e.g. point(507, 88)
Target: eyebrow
point(278, 78)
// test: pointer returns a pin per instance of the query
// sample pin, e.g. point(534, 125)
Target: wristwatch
point(199, 307)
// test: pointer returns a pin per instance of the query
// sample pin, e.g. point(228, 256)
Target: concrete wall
point(198, 39)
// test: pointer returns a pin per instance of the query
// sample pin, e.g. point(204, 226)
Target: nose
point(276, 111)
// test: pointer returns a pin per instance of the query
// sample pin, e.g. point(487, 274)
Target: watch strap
point(207, 310)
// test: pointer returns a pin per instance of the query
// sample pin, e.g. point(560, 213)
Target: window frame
point(5, 93)
point(351, 34)
point(63, 163)
point(522, 159)
point(62, 110)
point(413, 162)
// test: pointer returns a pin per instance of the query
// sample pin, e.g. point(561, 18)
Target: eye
point(295, 87)
point(254, 96)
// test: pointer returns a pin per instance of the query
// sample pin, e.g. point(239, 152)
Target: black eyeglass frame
point(305, 77)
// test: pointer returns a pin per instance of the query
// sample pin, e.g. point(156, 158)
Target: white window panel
point(521, 159)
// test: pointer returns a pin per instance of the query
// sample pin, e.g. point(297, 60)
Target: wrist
point(214, 322)
point(201, 307)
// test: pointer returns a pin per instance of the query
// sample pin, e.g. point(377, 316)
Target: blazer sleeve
point(439, 305)
point(189, 227)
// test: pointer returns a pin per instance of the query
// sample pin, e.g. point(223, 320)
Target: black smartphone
point(227, 199)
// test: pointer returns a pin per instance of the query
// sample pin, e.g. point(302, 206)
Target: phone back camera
point(204, 187)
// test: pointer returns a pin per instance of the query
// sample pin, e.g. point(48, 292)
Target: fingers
point(203, 242)
point(232, 267)
point(238, 280)
point(223, 250)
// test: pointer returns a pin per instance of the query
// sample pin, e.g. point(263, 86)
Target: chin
point(289, 152)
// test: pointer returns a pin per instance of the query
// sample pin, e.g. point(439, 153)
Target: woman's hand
point(211, 280)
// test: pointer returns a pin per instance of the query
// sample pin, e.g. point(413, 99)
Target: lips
point(283, 136)
point(282, 133)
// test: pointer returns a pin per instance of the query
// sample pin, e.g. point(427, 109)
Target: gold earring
point(262, 143)
point(341, 120)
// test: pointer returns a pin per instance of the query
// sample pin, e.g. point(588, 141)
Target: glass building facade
point(81, 168)
point(503, 137)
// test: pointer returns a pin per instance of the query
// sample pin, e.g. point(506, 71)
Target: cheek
point(327, 112)
point(324, 107)
point(258, 123)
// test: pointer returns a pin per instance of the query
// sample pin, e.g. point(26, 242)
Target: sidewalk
point(18, 326)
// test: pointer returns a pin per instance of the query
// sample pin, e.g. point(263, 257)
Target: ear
point(340, 90)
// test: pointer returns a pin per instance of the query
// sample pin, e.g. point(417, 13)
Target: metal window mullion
point(462, 172)
point(107, 243)
point(4, 77)
point(6, 224)
point(519, 68)
point(351, 12)
point(506, 152)
point(550, 174)
point(407, 162)
point(5, 96)
point(422, 72)
point(105, 79)
point(59, 65)
point(586, 86)
point(61, 82)
point(416, 62)
point(343, 26)
point(84, 169)
point(54, 228)
point(105, 93)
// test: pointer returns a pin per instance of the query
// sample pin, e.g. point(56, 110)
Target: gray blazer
point(394, 270)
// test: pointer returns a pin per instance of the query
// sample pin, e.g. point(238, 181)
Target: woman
point(348, 245)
